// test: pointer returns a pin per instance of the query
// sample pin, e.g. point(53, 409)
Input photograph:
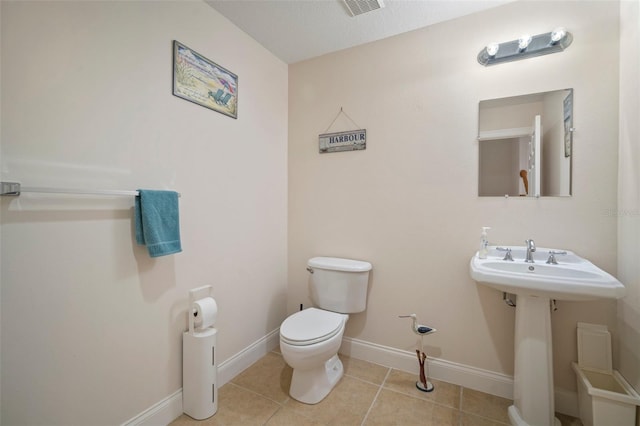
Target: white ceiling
point(295, 30)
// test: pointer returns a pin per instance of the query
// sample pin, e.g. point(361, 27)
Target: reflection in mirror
point(525, 145)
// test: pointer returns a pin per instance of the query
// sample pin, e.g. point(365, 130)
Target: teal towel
point(157, 222)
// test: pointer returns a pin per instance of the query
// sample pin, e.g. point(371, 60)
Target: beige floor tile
point(364, 370)
point(473, 420)
point(347, 404)
point(442, 416)
point(568, 420)
point(260, 396)
point(288, 417)
point(485, 405)
point(236, 406)
point(443, 393)
point(269, 376)
point(184, 420)
point(393, 408)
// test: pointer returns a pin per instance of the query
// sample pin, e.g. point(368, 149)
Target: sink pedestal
point(535, 284)
point(533, 372)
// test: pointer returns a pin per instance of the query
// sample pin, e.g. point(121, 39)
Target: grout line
point(460, 420)
point(425, 400)
point(376, 397)
point(360, 379)
point(272, 416)
point(281, 404)
point(488, 419)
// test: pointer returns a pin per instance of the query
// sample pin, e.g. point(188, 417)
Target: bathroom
point(91, 326)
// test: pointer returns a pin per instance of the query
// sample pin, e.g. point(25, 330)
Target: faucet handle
point(508, 256)
point(552, 256)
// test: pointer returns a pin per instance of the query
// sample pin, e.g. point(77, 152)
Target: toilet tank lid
point(337, 264)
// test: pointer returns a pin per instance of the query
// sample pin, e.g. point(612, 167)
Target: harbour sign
point(352, 140)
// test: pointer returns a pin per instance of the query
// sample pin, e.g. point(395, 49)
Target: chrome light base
point(525, 47)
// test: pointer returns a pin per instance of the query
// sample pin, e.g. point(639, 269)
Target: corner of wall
point(1, 410)
point(628, 212)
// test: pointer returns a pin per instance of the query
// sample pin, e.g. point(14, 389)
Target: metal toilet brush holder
point(423, 384)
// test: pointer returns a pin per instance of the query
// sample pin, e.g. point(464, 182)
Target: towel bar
point(15, 189)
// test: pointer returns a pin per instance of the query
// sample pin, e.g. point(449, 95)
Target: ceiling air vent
point(358, 7)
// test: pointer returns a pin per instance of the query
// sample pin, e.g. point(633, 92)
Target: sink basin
point(573, 278)
point(535, 284)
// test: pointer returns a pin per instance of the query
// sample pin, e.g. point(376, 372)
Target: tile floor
point(367, 394)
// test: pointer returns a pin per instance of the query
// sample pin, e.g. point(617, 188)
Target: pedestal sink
point(535, 285)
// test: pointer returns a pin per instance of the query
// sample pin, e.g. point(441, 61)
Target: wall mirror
point(525, 145)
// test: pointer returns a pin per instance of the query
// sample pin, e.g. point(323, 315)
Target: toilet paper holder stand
point(196, 294)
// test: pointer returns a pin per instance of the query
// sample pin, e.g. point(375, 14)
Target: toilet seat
point(311, 326)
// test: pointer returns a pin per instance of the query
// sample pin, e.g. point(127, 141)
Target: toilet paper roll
point(205, 312)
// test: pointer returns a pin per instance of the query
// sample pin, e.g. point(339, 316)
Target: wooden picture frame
point(203, 82)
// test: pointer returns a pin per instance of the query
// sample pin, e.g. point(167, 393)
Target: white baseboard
point(162, 413)
point(167, 410)
point(566, 402)
point(440, 369)
point(170, 408)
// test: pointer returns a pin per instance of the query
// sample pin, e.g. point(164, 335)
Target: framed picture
point(201, 81)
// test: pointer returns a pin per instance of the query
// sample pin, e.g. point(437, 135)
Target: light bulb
point(558, 34)
point(524, 41)
point(492, 49)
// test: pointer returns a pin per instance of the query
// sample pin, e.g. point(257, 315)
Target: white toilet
point(310, 339)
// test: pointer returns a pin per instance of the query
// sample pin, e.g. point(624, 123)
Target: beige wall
point(628, 212)
point(91, 326)
point(409, 203)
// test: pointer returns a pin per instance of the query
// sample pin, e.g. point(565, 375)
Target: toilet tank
point(339, 285)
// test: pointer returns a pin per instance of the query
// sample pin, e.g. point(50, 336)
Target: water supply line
point(507, 300)
point(553, 305)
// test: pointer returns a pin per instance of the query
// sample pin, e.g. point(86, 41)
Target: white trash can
point(605, 398)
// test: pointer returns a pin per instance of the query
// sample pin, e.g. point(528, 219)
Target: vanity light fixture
point(525, 47)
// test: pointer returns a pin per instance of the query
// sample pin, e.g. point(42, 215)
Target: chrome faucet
point(531, 248)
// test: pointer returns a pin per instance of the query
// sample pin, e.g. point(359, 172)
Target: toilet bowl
point(309, 342)
point(310, 339)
